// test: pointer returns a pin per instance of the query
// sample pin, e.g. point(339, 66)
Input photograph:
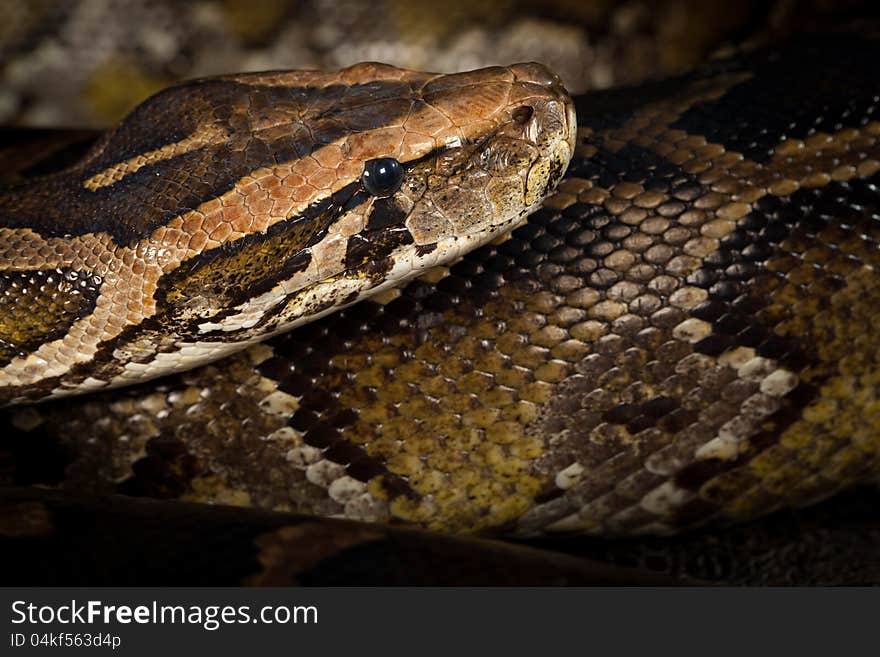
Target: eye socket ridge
point(382, 176)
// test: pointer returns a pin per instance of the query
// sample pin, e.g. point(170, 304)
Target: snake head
point(226, 210)
point(379, 173)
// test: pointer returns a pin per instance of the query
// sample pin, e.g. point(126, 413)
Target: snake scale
point(684, 334)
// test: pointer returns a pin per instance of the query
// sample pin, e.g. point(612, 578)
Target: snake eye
point(382, 176)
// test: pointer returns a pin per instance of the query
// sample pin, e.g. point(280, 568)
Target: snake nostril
point(522, 114)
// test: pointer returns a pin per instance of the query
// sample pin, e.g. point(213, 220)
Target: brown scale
point(684, 333)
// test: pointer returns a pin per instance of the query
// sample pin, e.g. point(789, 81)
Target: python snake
point(684, 334)
point(228, 210)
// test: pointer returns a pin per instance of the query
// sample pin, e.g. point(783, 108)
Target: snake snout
point(541, 104)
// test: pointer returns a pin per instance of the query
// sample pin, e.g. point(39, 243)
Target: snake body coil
point(686, 332)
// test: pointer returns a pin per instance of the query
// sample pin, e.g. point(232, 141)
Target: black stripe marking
point(370, 248)
point(254, 264)
point(386, 212)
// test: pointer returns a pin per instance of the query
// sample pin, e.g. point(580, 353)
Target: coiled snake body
point(685, 333)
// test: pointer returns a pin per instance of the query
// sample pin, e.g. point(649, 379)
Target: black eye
point(382, 176)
